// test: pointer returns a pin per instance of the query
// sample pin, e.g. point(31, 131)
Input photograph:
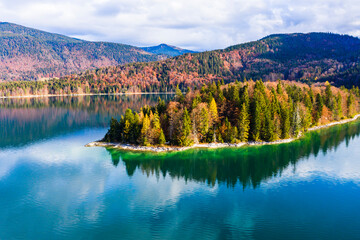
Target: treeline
point(238, 112)
point(189, 70)
point(308, 58)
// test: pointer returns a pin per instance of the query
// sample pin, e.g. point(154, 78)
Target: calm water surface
point(52, 187)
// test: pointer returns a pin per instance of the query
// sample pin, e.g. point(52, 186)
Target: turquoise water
point(52, 187)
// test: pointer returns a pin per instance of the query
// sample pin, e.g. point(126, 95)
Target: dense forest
point(306, 58)
point(237, 112)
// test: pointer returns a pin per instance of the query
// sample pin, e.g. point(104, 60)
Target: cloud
point(195, 24)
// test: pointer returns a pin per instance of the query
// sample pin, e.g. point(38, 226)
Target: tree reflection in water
point(248, 166)
point(27, 120)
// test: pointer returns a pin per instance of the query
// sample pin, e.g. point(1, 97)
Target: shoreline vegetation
point(84, 94)
point(233, 115)
point(210, 145)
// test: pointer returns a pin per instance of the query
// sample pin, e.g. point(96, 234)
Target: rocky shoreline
point(335, 123)
point(131, 147)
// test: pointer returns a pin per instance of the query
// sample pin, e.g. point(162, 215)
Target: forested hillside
point(308, 58)
point(30, 54)
point(237, 112)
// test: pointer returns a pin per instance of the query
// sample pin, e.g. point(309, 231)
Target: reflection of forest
point(247, 166)
point(30, 119)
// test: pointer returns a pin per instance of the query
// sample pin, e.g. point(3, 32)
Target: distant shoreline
point(157, 149)
point(85, 94)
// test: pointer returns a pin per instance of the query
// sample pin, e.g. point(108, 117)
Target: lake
point(52, 187)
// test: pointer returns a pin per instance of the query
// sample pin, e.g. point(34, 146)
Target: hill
point(167, 50)
point(30, 54)
point(309, 58)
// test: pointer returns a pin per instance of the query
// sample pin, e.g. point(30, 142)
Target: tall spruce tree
point(285, 121)
point(213, 111)
point(256, 115)
point(244, 123)
point(184, 138)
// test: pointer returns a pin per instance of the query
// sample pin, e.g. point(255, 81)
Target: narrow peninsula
point(235, 114)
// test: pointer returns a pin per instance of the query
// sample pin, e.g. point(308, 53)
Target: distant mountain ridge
point(305, 57)
point(30, 54)
point(168, 50)
point(308, 58)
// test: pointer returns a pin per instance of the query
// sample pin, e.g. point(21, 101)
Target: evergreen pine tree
point(319, 108)
point(268, 133)
point(296, 120)
point(184, 138)
point(162, 140)
point(144, 131)
point(338, 108)
point(256, 115)
point(213, 111)
point(279, 88)
point(245, 96)
point(285, 121)
point(204, 123)
point(179, 96)
point(350, 105)
point(243, 124)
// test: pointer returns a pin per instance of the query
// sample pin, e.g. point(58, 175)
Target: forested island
point(235, 113)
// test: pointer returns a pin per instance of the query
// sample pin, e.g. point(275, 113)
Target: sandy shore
point(208, 145)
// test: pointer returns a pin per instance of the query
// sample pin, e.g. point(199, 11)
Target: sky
point(192, 24)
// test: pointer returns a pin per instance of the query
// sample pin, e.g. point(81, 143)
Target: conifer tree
point(156, 121)
point(285, 121)
point(350, 105)
point(204, 123)
point(329, 97)
point(213, 111)
point(245, 96)
point(279, 88)
point(319, 108)
point(162, 140)
point(144, 131)
point(113, 134)
point(243, 124)
point(196, 101)
point(127, 131)
point(296, 120)
point(179, 95)
point(306, 119)
point(268, 128)
point(338, 107)
point(184, 138)
point(256, 115)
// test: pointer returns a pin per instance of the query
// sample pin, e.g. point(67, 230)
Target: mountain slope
point(313, 57)
point(305, 57)
point(30, 54)
point(164, 49)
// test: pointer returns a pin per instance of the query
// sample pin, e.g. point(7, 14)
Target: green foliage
point(184, 137)
point(162, 140)
point(243, 124)
point(250, 111)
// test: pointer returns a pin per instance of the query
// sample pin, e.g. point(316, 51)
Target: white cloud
point(196, 24)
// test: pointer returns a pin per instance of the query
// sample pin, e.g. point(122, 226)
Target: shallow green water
point(51, 187)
